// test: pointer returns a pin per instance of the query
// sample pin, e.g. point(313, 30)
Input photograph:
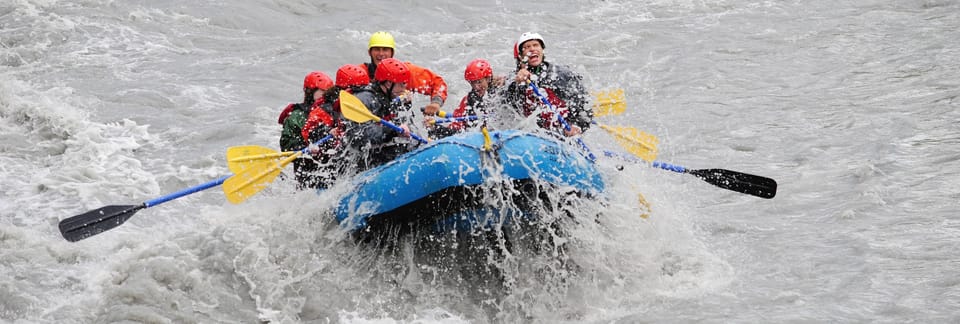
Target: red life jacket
point(285, 113)
point(317, 116)
point(533, 102)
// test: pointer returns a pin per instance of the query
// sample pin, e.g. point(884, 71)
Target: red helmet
point(528, 36)
point(317, 80)
point(477, 69)
point(392, 70)
point(351, 75)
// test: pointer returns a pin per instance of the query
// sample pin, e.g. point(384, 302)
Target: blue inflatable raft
point(454, 182)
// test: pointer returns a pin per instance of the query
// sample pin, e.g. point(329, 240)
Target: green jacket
point(291, 138)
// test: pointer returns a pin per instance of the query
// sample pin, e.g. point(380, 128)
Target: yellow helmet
point(381, 39)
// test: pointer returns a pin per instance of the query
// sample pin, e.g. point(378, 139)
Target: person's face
point(378, 54)
point(396, 89)
point(533, 51)
point(480, 86)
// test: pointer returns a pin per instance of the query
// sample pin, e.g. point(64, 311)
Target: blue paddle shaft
point(306, 150)
point(211, 184)
point(563, 122)
point(456, 119)
point(668, 166)
point(400, 130)
point(184, 192)
point(656, 164)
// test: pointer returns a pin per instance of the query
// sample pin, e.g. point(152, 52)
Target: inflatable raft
point(454, 183)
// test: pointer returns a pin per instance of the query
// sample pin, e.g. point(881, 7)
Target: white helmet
point(526, 37)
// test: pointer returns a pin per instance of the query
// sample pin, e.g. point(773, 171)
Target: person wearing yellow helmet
point(424, 81)
point(381, 46)
point(562, 86)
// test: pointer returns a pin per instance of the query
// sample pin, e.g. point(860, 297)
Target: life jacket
point(285, 113)
point(532, 103)
point(289, 109)
point(322, 114)
point(371, 69)
point(470, 105)
point(422, 80)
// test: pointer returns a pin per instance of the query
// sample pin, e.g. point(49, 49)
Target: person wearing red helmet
point(423, 80)
point(293, 119)
point(563, 88)
point(321, 122)
point(369, 144)
point(483, 86)
point(311, 83)
point(325, 119)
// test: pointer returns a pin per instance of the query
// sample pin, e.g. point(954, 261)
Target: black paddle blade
point(755, 185)
point(96, 221)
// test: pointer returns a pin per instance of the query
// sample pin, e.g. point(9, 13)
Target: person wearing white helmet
point(562, 87)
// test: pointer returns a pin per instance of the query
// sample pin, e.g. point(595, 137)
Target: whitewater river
point(852, 106)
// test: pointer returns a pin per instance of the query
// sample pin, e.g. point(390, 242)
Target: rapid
point(852, 106)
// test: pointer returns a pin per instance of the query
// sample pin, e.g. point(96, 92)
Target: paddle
point(354, 109)
point(240, 158)
point(536, 91)
point(640, 143)
point(754, 185)
point(632, 140)
point(105, 218)
point(455, 119)
point(609, 103)
point(644, 146)
point(253, 177)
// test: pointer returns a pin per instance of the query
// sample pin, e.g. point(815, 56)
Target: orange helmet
point(317, 80)
point(477, 69)
point(392, 70)
point(351, 75)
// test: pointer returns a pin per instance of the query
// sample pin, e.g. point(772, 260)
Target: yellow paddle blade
point(638, 143)
point(645, 208)
point(609, 103)
point(240, 158)
point(244, 185)
point(354, 109)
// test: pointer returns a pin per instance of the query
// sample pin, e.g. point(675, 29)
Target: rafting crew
point(386, 95)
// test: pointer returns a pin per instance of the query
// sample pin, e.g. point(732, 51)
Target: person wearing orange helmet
point(483, 86)
point(424, 81)
point(563, 88)
point(293, 119)
point(367, 145)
